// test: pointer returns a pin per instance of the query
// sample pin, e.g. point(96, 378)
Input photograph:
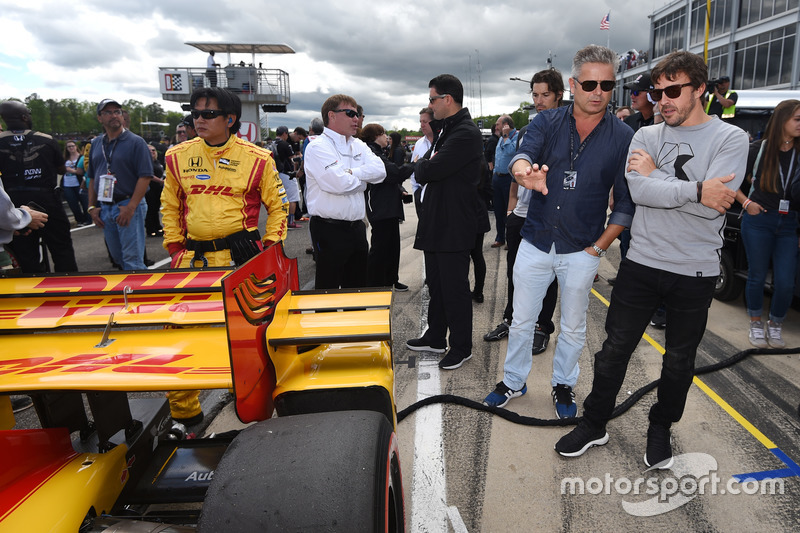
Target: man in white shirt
point(211, 69)
point(338, 168)
point(421, 147)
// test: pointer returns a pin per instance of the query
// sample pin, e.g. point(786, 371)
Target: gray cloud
point(385, 53)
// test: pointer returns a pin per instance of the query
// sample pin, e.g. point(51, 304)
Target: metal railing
point(251, 83)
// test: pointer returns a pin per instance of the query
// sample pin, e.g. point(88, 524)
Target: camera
point(711, 86)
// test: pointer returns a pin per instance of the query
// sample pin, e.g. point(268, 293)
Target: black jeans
point(637, 293)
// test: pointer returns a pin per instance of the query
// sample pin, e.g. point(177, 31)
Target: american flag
point(605, 24)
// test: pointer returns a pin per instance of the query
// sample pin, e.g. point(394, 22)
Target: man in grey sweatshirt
point(682, 175)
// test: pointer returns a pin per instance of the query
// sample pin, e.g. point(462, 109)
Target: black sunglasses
point(590, 85)
point(437, 97)
point(673, 91)
point(349, 112)
point(207, 114)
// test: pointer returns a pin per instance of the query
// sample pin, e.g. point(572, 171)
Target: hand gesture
point(533, 177)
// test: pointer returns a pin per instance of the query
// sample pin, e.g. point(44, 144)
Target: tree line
point(73, 119)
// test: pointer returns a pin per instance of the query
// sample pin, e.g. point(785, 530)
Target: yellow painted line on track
point(708, 391)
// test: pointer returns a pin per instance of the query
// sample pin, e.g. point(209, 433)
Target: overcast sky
point(381, 53)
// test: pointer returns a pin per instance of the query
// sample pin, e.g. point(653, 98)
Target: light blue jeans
point(534, 270)
point(125, 243)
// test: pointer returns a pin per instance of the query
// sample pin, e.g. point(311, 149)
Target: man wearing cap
point(640, 102)
point(723, 100)
point(30, 162)
point(121, 169)
point(338, 168)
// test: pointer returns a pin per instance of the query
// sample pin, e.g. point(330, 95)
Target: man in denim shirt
point(501, 181)
point(570, 157)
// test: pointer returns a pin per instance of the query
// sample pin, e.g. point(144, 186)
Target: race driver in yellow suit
point(212, 197)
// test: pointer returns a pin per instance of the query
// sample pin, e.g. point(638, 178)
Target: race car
point(312, 371)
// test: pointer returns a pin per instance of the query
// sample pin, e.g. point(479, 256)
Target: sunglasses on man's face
point(673, 91)
point(349, 112)
point(207, 114)
point(590, 85)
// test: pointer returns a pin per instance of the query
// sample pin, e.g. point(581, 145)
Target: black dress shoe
point(477, 296)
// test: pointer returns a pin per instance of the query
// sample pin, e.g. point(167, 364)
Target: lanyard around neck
point(572, 130)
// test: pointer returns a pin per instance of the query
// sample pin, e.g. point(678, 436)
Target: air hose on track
point(620, 409)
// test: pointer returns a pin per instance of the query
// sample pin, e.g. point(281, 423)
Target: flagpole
point(608, 39)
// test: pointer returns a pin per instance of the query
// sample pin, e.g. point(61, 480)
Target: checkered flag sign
point(173, 82)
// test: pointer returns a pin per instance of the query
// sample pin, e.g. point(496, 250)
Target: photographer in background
point(722, 100)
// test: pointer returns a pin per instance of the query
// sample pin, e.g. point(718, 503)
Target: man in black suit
point(449, 174)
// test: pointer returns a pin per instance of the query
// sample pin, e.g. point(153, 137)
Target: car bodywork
point(86, 340)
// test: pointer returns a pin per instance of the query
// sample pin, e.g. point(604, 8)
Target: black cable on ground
point(620, 409)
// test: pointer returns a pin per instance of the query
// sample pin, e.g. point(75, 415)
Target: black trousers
point(637, 293)
point(514, 225)
point(450, 306)
point(478, 263)
point(55, 235)
point(341, 250)
point(152, 222)
point(383, 264)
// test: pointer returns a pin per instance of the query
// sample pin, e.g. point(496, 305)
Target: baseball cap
point(102, 105)
point(641, 83)
point(187, 121)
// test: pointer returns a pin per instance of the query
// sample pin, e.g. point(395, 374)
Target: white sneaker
point(774, 335)
point(757, 336)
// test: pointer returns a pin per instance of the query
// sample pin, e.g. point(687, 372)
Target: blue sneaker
point(564, 400)
point(501, 394)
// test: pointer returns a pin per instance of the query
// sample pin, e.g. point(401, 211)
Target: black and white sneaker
point(659, 448)
point(423, 345)
point(500, 332)
point(576, 442)
point(540, 340)
point(453, 360)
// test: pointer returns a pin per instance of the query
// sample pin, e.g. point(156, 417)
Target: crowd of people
point(667, 169)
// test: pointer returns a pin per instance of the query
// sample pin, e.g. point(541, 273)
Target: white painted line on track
point(428, 488)
point(456, 522)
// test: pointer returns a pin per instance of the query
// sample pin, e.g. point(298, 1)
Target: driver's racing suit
point(212, 193)
point(210, 205)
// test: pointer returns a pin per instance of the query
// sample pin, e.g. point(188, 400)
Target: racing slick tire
point(728, 286)
point(335, 471)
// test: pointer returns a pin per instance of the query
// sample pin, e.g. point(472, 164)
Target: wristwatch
point(600, 251)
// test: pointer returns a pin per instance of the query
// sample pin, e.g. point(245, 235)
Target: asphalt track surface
point(466, 470)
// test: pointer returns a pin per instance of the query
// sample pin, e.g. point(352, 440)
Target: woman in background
point(75, 195)
point(385, 211)
point(769, 223)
